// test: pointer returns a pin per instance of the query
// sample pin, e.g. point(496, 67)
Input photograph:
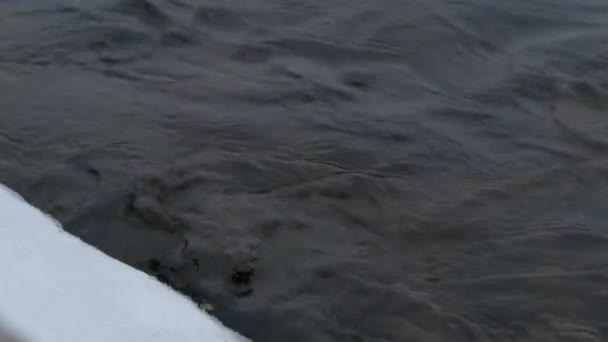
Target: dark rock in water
point(242, 279)
point(242, 274)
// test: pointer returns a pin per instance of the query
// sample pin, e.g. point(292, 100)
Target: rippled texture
point(383, 170)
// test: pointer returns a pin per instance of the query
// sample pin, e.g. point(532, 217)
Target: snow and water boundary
point(56, 288)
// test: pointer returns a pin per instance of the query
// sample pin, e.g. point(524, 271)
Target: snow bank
point(55, 288)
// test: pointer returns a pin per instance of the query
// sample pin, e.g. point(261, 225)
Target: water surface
point(327, 171)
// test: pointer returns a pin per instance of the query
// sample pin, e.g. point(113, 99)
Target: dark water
point(335, 170)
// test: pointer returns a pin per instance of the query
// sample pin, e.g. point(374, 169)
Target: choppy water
point(390, 170)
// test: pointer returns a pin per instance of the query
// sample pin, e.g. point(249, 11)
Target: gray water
point(388, 170)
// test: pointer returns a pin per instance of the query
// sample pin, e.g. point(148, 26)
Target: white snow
point(56, 288)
